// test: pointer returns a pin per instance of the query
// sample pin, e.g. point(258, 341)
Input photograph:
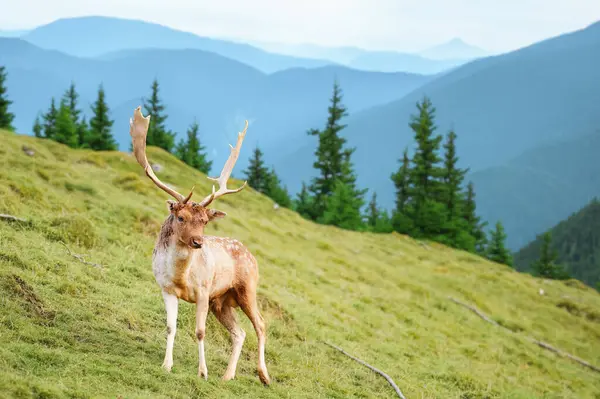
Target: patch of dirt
point(31, 301)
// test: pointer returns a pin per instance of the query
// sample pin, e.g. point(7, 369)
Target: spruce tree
point(71, 96)
point(474, 225)
point(546, 266)
point(497, 250)
point(37, 127)
point(400, 217)
point(6, 117)
point(377, 220)
point(303, 203)
point(83, 133)
point(330, 154)
point(427, 211)
point(99, 136)
point(192, 152)
point(158, 135)
point(50, 120)
point(257, 175)
point(457, 232)
point(66, 132)
point(342, 208)
point(276, 191)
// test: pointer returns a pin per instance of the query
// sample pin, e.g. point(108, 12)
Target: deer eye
point(180, 219)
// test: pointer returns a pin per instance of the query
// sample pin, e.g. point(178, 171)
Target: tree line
point(432, 201)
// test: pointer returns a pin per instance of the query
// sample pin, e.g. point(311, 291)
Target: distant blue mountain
point(95, 36)
point(382, 61)
point(216, 91)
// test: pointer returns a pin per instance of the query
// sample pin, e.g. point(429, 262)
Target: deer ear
point(215, 214)
point(171, 205)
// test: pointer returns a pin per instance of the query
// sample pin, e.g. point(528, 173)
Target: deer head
point(189, 218)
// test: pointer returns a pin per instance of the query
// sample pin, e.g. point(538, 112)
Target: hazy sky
point(496, 25)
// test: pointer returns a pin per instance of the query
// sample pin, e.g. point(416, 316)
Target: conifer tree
point(303, 203)
point(426, 211)
point(547, 266)
point(158, 135)
point(342, 208)
point(474, 225)
point(6, 117)
point(372, 212)
point(456, 231)
point(38, 130)
point(400, 217)
point(377, 220)
point(276, 191)
point(192, 152)
point(99, 136)
point(50, 120)
point(257, 175)
point(66, 132)
point(71, 96)
point(330, 155)
point(83, 133)
point(497, 250)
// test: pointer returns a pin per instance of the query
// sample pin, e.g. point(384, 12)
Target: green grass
point(71, 330)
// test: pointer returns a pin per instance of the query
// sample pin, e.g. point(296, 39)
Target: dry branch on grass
point(381, 373)
point(12, 218)
point(535, 341)
point(81, 258)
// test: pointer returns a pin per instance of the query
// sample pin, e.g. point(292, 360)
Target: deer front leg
point(171, 303)
point(201, 313)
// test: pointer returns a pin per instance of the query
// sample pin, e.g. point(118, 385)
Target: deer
point(217, 274)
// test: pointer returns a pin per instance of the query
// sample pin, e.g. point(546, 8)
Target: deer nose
point(197, 243)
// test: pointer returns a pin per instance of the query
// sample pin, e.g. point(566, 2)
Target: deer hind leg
point(201, 313)
point(171, 305)
point(225, 313)
point(247, 301)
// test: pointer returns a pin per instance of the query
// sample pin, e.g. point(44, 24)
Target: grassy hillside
point(576, 240)
point(72, 330)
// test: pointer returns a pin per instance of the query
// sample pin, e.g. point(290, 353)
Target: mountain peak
point(455, 48)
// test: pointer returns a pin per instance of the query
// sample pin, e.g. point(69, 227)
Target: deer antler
point(226, 172)
point(138, 129)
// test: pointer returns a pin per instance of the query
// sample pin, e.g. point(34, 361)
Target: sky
point(404, 25)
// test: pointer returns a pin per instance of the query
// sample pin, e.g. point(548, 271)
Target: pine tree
point(400, 217)
point(304, 203)
point(342, 208)
point(497, 250)
point(474, 225)
point(377, 220)
point(276, 191)
point(37, 127)
point(6, 117)
point(83, 133)
point(50, 120)
point(427, 211)
point(66, 132)
point(99, 136)
point(330, 154)
point(546, 266)
point(373, 212)
point(71, 96)
point(192, 152)
point(257, 174)
point(457, 232)
point(158, 135)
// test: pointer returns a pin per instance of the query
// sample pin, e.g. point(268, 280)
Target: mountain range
point(506, 109)
point(500, 107)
